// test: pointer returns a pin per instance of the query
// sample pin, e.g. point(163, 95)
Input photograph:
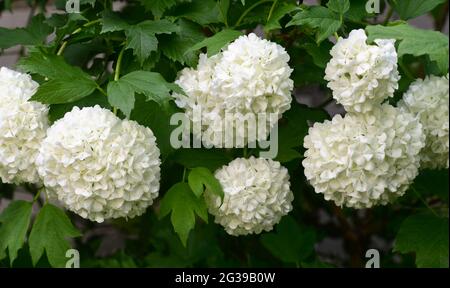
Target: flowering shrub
point(98, 115)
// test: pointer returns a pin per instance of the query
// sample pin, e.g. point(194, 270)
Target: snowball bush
point(99, 166)
point(23, 126)
point(428, 99)
point(365, 159)
point(257, 194)
point(250, 76)
point(361, 76)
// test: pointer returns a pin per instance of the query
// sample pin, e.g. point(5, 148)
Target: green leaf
point(151, 84)
point(73, 21)
point(408, 9)
point(181, 202)
point(286, 154)
point(150, 114)
point(293, 127)
point(50, 66)
point(141, 43)
point(202, 176)
point(36, 33)
point(209, 158)
point(202, 12)
point(90, 2)
point(58, 111)
point(278, 13)
point(49, 233)
point(339, 6)
point(290, 243)
point(39, 29)
point(223, 5)
point(57, 20)
point(320, 53)
point(432, 183)
point(141, 37)
point(316, 264)
point(325, 21)
point(176, 46)
point(416, 42)
point(14, 220)
point(112, 22)
point(59, 91)
point(163, 26)
point(427, 236)
point(158, 7)
point(216, 42)
point(121, 95)
point(357, 11)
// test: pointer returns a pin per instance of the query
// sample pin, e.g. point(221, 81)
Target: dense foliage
point(128, 61)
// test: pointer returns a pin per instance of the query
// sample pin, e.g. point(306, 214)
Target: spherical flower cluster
point(99, 166)
point(257, 194)
point(361, 76)
point(249, 77)
point(429, 100)
point(364, 159)
point(23, 126)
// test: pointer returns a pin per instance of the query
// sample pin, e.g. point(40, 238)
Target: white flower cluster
point(429, 100)
point(99, 166)
point(257, 194)
point(364, 159)
point(249, 77)
point(23, 126)
point(361, 76)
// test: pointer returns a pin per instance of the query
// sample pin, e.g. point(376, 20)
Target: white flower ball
point(428, 99)
point(249, 77)
point(363, 160)
point(23, 126)
point(253, 75)
point(257, 195)
point(99, 166)
point(362, 76)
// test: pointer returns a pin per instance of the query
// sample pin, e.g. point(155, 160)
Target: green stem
point(62, 48)
point(250, 9)
point(101, 90)
point(336, 35)
point(117, 71)
point(118, 65)
point(184, 175)
point(78, 30)
point(271, 10)
point(224, 15)
point(37, 195)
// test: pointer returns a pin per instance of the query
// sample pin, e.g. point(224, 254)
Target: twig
point(250, 9)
